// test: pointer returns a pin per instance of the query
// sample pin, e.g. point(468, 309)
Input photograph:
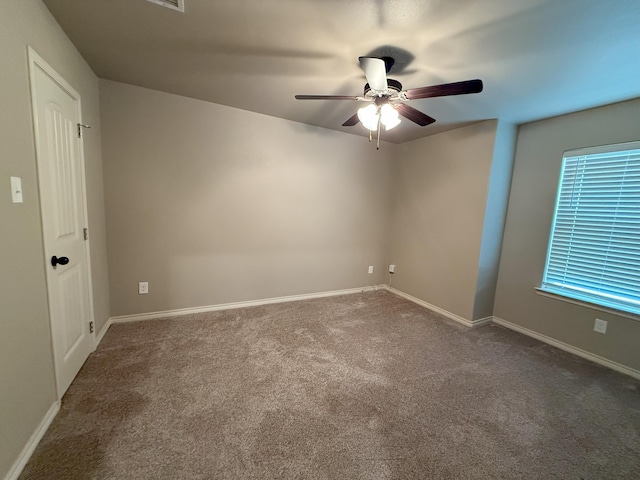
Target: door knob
point(59, 260)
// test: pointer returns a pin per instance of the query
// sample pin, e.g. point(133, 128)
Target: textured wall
point(535, 181)
point(494, 219)
point(212, 204)
point(441, 188)
point(26, 368)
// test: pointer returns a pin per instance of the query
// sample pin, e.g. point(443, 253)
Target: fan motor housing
point(391, 84)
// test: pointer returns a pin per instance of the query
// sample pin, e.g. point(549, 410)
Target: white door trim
point(36, 61)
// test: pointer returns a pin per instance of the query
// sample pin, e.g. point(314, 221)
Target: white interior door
point(56, 108)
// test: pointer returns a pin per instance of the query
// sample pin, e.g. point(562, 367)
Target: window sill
point(583, 303)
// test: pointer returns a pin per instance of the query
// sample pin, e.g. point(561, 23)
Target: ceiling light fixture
point(388, 99)
point(376, 114)
point(389, 116)
point(369, 117)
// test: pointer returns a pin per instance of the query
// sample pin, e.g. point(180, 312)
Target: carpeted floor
point(366, 386)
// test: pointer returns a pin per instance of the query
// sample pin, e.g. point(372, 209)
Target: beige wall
point(441, 191)
point(27, 385)
point(495, 214)
point(212, 204)
point(535, 180)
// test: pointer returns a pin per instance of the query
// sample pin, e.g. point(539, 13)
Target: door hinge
point(85, 233)
point(80, 127)
point(91, 327)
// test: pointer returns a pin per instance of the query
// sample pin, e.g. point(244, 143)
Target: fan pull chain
point(378, 140)
point(370, 137)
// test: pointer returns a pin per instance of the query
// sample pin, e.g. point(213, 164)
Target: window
point(594, 249)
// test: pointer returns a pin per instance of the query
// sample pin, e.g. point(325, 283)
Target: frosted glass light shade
point(389, 117)
point(368, 116)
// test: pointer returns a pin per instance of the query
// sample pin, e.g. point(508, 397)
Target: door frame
point(36, 61)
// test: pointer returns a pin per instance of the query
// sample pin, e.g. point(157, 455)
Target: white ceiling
point(537, 58)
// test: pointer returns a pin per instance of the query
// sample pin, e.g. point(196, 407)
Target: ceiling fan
point(387, 99)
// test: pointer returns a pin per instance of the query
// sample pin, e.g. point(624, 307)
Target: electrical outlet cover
point(600, 326)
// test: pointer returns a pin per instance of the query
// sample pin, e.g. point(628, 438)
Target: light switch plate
point(16, 190)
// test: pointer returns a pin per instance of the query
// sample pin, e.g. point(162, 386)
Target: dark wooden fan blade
point(353, 120)
point(326, 97)
point(414, 115)
point(446, 89)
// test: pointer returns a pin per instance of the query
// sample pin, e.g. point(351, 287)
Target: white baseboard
point(569, 348)
point(27, 451)
point(481, 321)
point(228, 306)
point(441, 311)
point(102, 333)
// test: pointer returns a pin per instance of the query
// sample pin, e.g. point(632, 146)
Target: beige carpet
point(366, 386)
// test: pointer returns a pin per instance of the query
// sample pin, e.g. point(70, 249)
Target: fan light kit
point(387, 99)
point(371, 116)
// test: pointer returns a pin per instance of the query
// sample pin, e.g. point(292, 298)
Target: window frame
point(573, 295)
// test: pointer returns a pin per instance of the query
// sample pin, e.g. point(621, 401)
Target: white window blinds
point(594, 249)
